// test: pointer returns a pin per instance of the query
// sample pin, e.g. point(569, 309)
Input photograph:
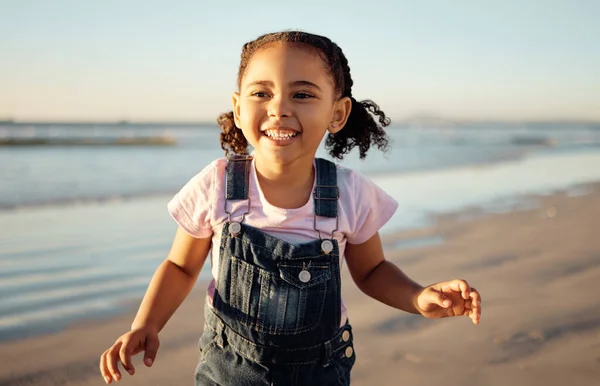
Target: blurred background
point(108, 107)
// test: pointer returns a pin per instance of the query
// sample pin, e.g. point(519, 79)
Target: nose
point(279, 107)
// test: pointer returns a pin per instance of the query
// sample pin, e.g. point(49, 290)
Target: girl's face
point(287, 103)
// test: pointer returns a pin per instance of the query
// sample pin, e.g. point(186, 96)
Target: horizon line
point(406, 120)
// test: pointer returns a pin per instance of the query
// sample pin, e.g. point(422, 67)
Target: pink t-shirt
point(198, 208)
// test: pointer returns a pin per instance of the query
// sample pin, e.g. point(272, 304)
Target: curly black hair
point(360, 130)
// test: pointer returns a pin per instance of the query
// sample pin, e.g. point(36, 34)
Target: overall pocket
point(289, 300)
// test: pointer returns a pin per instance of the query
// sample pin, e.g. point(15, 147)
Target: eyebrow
point(268, 83)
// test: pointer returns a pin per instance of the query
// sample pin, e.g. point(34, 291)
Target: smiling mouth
point(280, 134)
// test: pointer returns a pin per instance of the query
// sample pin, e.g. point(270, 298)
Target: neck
point(286, 185)
point(293, 175)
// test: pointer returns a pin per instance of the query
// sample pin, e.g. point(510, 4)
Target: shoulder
point(209, 174)
point(365, 206)
point(361, 189)
point(192, 206)
point(204, 184)
point(352, 182)
point(215, 168)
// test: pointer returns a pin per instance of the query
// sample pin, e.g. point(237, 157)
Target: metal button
point(349, 351)
point(304, 276)
point(346, 336)
point(235, 228)
point(326, 246)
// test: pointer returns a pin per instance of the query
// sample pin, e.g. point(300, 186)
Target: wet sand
point(538, 272)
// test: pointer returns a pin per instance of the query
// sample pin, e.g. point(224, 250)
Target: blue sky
point(177, 60)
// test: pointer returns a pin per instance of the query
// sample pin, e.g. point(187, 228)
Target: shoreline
point(394, 241)
point(491, 171)
point(540, 326)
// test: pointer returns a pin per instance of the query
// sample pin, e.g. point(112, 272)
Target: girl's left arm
point(380, 279)
point(384, 281)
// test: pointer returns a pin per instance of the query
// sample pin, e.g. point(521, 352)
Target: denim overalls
point(275, 318)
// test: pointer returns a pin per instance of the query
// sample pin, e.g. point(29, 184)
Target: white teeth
point(280, 134)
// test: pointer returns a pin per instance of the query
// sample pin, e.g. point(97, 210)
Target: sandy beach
point(481, 121)
point(538, 271)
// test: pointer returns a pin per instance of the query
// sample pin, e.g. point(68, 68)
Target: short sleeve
point(191, 207)
point(373, 207)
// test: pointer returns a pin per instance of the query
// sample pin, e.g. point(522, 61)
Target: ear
point(235, 99)
point(341, 112)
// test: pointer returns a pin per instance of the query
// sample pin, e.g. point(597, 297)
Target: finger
point(151, 345)
point(475, 315)
point(475, 296)
point(112, 363)
point(465, 288)
point(476, 301)
point(468, 305)
point(441, 300)
point(125, 356)
point(460, 286)
point(104, 368)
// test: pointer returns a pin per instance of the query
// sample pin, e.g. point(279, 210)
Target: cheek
point(317, 119)
point(249, 113)
point(243, 112)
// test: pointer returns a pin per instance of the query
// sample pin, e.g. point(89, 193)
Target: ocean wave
point(87, 141)
point(82, 201)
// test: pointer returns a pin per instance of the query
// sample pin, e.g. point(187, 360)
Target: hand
point(128, 345)
point(450, 298)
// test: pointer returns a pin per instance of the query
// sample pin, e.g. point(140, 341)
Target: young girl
point(279, 224)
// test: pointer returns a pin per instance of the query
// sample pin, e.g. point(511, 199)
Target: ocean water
point(42, 175)
point(83, 227)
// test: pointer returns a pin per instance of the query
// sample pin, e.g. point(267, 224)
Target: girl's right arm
point(170, 285)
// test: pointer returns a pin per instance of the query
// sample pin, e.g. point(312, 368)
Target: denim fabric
point(227, 358)
point(237, 177)
point(275, 318)
point(326, 191)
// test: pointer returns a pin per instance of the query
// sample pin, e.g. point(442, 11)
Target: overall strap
point(237, 177)
point(325, 195)
point(326, 191)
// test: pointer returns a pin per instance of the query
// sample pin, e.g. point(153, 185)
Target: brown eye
point(303, 95)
